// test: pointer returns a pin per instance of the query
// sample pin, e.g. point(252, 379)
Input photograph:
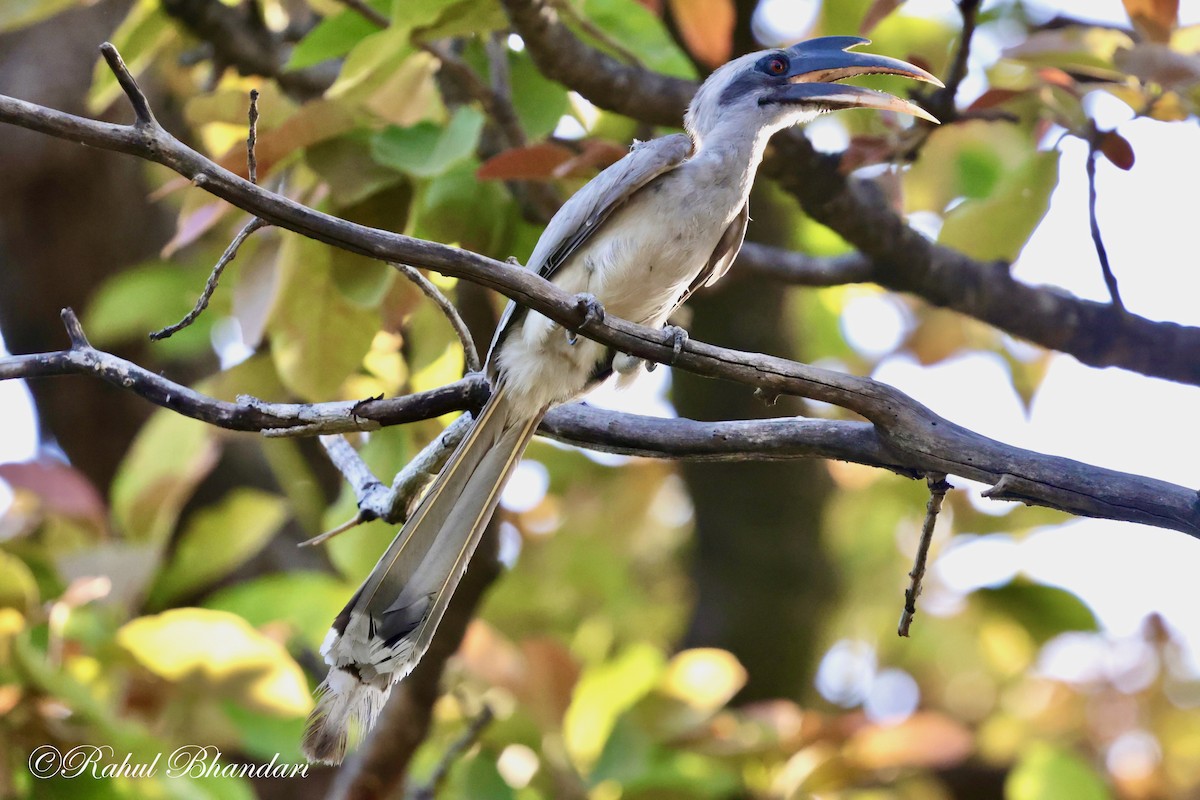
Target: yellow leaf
point(603, 693)
point(220, 655)
point(169, 457)
point(318, 336)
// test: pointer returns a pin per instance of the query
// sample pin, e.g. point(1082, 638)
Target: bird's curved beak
point(817, 63)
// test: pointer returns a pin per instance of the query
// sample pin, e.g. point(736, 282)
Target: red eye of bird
point(777, 66)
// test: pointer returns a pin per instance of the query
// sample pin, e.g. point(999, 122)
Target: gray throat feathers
point(726, 157)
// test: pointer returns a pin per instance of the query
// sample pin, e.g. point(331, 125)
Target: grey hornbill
point(636, 241)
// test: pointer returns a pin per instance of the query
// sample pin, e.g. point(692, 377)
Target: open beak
point(817, 63)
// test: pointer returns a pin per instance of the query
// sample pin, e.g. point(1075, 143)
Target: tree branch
point(239, 37)
point(914, 435)
point(630, 90)
point(901, 259)
point(913, 442)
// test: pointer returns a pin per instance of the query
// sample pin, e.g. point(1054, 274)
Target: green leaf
point(346, 165)
point(304, 601)
point(265, 737)
point(426, 150)
point(971, 161)
point(19, 13)
point(457, 208)
point(978, 170)
point(219, 539)
point(1044, 611)
point(219, 656)
point(333, 37)
point(372, 62)
point(998, 227)
point(1046, 772)
point(135, 301)
point(167, 460)
point(442, 19)
point(318, 336)
point(87, 709)
point(479, 777)
point(539, 102)
point(640, 30)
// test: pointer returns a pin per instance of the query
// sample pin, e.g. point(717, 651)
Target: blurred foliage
point(138, 620)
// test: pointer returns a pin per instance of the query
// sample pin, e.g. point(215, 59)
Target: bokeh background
point(659, 629)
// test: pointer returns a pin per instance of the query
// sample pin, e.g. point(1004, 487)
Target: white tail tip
point(346, 709)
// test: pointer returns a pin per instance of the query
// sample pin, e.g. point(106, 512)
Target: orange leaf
point(535, 162)
point(1154, 19)
point(1056, 77)
point(926, 739)
point(876, 14)
point(551, 674)
point(1116, 148)
point(314, 122)
point(994, 97)
point(706, 27)
point(597, 154)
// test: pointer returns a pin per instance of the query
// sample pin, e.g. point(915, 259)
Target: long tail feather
point(389, 623)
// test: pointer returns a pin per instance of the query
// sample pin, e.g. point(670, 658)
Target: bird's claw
point(592, 310)
point(679, 338)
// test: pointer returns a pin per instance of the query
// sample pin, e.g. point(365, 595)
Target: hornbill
point(635, 242)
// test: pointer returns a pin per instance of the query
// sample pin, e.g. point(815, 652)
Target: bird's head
point(775, 89)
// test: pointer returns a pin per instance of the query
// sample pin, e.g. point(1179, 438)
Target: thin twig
point(356, 472)
point(214, 277)
point(942, 102)
point(969, 10)
point(141, 106)
point(252, 137)
point(79, 340)
point(937, 493)
point(1110, 280)
point(470, 353)
point(321, 538)
point(460, 745)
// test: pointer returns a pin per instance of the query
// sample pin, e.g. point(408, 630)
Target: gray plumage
point(641, 237)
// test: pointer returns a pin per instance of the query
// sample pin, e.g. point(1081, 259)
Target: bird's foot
point(679, 338)
point(592, 310)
